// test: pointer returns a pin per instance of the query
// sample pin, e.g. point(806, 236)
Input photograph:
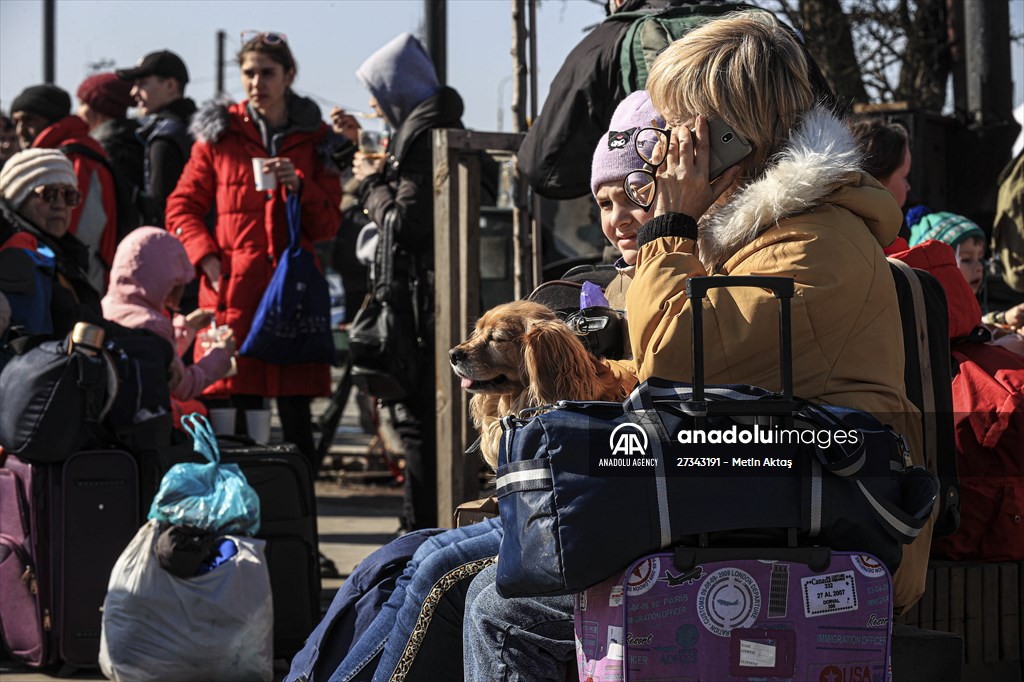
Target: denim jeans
point(526, 639)
point(354, 608)
point(418, 631)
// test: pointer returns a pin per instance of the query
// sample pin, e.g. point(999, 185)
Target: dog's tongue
point(467, 383)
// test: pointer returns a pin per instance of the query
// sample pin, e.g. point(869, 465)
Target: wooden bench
point(980, 603)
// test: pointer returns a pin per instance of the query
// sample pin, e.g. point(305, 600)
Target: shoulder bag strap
point(294, 208)
point(384, 265)
point(924, 357)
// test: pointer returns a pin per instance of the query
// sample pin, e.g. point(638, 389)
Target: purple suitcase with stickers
point(708, 615)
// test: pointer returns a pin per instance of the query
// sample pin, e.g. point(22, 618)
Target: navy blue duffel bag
point(590, 486)
point(587, 487)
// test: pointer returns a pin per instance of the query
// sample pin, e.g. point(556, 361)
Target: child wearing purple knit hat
point(614, 158)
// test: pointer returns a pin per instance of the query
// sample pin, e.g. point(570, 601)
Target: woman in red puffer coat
point(237, 261)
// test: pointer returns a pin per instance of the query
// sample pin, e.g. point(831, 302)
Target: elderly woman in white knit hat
point(40, 186)
point(39, 259)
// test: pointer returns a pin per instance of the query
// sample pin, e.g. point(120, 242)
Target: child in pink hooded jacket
point(147, 279)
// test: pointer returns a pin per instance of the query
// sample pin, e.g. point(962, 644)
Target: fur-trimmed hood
point(210, 121)
point(214, 117)
point(820, 165)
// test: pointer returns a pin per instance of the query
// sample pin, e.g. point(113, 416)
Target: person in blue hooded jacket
point(396, 191)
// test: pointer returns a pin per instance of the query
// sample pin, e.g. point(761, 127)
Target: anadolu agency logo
point(628, 440)
point(628, 446)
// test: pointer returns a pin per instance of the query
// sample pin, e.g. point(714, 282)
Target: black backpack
point(127, 193)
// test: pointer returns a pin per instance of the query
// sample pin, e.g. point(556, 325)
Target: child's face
point(620, 219)
point(970, 254)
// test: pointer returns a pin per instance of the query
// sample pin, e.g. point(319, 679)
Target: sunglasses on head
point(266, 37)
point(49, 194)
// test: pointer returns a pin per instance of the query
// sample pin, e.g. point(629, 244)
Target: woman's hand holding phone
point(683, 184)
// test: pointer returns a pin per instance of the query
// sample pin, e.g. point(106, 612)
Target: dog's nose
point(457, 355)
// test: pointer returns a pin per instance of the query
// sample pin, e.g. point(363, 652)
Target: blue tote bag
point(292, 324)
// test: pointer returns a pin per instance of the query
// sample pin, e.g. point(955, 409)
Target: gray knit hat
point(616, 155)
point(33, 168)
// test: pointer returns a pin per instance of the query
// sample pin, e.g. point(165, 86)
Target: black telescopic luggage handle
point(781, 287)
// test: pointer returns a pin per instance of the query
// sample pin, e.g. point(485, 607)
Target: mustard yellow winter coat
point(815, 217)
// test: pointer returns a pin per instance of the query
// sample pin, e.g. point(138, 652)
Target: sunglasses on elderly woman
point(267, 38)
point(641, 185)
point(49, 194)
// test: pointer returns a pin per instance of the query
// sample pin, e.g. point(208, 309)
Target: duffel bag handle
point(781, 287)
point(645, 414)
point(686, 558)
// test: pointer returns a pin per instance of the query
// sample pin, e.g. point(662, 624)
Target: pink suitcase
point(717, 615)
point(62, 527)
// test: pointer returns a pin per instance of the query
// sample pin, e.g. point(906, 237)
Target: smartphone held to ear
point(727, 147)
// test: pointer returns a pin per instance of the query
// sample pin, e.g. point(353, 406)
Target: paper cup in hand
point(264, 181)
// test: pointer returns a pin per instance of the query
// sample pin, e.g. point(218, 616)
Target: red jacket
point(252, 228)
point(100, 238)
point(939, 259)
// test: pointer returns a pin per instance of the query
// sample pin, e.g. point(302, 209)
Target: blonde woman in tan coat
point(799, 205)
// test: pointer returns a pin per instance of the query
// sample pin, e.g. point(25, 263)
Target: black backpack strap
point(89, 153)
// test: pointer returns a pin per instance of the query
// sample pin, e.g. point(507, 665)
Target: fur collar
point(210, 121)
point(820, 157)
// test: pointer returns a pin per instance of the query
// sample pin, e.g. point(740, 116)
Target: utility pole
point(49, 42)
point(520, 34)
point(987, 42)
point(221, 39)
point(533, 60)
point(435, 13)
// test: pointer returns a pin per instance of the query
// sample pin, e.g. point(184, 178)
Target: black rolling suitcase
point(283, 479)
point(68, 523)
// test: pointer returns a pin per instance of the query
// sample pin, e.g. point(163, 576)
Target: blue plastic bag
point(213, 496)
point(292, 324)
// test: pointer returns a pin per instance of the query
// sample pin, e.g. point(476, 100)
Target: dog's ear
point(555, 364)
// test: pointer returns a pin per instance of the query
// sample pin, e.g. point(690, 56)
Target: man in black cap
point(159, 91)
point(43, 120)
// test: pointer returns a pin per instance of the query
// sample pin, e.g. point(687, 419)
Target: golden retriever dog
point(521, 355)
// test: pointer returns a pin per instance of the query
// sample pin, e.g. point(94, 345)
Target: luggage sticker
point(729, 598)
point(778, 595)
point(615, 596)
point(867, 565)
point(644, 576)
point(826, 595)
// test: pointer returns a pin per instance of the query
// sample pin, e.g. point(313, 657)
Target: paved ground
point(358, 512)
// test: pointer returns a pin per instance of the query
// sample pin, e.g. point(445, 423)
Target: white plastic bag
point(216, 626)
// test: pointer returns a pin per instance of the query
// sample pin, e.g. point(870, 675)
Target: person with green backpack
point(611, 62)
